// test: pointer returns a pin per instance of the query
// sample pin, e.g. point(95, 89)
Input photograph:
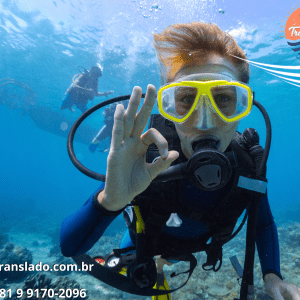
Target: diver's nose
point(205, 118)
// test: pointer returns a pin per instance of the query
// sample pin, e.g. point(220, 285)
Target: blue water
point(43, 43)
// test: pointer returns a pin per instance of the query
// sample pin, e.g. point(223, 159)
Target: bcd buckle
point(214, 254)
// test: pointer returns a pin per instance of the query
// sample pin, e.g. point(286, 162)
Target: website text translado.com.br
point(24, 267)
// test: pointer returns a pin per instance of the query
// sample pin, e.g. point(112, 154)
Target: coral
point(290, 234)
point(55, 251)
point(64, 282)
point(230, 285)
point(11, 257)
point(39, 281)
point(297, 262)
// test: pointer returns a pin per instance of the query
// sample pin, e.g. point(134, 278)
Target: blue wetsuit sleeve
point(267, 239)
point(81, 230)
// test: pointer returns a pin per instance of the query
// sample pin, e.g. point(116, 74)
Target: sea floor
point(223, 284)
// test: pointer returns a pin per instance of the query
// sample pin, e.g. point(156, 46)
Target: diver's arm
point(267, 240)
point(97, 94)
point(81, 230)
point(100, 94)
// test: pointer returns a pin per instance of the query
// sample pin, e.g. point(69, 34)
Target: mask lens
point(230, 100)
point(177, 101)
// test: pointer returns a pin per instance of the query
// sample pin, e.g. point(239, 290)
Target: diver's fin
point(103, 150)
point(123, 271)
point(162, 284)
point(93, 147)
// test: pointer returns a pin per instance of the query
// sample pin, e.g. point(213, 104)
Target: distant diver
point(106, 130)
point(83, 88)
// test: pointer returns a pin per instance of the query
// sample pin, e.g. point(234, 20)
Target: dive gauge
point(112, 261)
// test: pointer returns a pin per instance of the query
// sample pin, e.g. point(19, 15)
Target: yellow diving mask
point(230, 100)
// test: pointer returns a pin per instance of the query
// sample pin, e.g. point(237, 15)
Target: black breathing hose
point(260, 158)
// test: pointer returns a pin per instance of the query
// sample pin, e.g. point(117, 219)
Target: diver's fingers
point(154, 136)
point(166, 158)
point(144, 113)
point(129, 116)
point(161, 164)
point(118, 128)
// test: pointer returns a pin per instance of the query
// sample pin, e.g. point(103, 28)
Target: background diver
point(205, 96)
point(106, 130)
point(83, 88)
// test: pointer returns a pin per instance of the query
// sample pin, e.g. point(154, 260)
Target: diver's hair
point(181, 45)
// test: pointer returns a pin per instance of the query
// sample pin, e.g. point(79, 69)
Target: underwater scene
point(59, 221)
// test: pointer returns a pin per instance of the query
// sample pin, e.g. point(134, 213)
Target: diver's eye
point(222, 99)
point(188, 100)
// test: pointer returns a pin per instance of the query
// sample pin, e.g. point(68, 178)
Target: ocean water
point(42, 45)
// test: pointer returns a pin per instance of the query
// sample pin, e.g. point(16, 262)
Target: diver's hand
point(108, 93)
point(279, 289)
point(127, 173)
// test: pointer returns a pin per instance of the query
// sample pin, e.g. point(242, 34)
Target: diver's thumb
point(161, 164)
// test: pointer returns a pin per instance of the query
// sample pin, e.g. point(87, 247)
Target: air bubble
point(64, 126)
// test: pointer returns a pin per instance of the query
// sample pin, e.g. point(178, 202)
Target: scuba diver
point(106, 130)
point(83, 88)
point(204, 98)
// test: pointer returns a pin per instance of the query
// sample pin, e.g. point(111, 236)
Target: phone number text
point(44, 293)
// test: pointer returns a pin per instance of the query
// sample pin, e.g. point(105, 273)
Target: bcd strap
point(119, 252)
point(193, 263)
point(214, 254)
point(123, 283)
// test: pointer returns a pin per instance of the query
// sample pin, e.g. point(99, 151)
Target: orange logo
point(292, 29)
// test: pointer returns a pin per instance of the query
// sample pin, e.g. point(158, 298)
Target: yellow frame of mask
point(204, 87)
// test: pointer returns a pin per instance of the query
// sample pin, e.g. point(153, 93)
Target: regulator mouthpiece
point(208, 169)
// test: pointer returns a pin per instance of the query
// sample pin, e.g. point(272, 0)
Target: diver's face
point(216, 68)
